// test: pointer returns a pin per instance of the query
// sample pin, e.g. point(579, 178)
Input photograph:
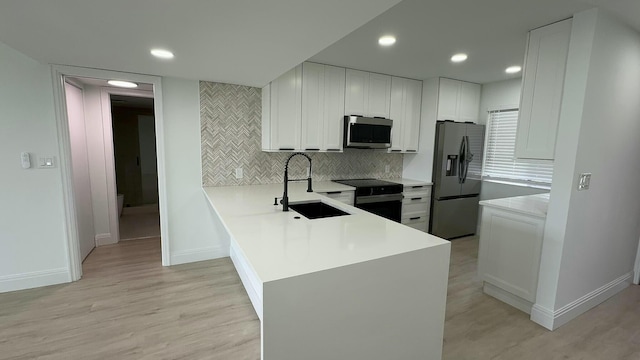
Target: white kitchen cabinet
point(511, 234)
point(458, 100)
point(281, 112)
point(344, 196)
point(367, 94)
point(322, 107)
point(415, 206)
point(542, 86)
point(406, 100)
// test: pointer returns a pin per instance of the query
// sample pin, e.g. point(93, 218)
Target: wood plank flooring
point(127, 306)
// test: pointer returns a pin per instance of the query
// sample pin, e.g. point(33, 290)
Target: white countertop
point(411, 182)
point(278, 246)
point(534, 205)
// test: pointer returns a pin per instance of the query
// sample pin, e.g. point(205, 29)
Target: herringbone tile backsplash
point(230, 120)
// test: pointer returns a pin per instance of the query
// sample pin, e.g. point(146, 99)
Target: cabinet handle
point(312, 149)
point(416, 198)
point(379, 117)
point(417, 187)
point(333, 149)
point(415, 218)
point(334, 192)
point(412, 150)
point(394, 150)
point(286, 149)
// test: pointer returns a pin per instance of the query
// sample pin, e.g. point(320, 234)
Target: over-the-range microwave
point(367, 133)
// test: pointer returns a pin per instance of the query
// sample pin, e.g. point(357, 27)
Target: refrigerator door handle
point(462, 160)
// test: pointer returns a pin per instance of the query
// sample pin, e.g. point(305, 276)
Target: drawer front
point(416, 199)
point(412, 191)
point(418, 223)
point(410, 210)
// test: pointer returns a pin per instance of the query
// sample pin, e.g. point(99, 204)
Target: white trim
point(507, 297)
point(529, 184)
point(202, 254)
point(71, 231)
point(110, 160)
point(252, 285)
point(554, 319)
point(104, 239)
point(34, 279)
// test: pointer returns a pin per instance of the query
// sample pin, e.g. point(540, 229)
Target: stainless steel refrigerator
point(457, 172)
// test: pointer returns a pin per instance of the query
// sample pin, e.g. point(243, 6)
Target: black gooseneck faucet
point(285, 197)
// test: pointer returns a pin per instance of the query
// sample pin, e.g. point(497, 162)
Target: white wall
point(194, 232)
point(494, 190)
point(591, 236)
point(499, 95)
point(32, 231)
point(80, 168)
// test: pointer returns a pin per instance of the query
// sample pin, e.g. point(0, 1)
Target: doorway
point(101, 159)
point(134, 145)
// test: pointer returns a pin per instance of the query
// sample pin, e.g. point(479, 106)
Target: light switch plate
point(585, 180)
point(239, 173)
point(47, 162)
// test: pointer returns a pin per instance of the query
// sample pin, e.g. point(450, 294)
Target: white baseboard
point(104, 239)
point(202, 254)
point(507, 297)
point(554, 319)
point(34, 279)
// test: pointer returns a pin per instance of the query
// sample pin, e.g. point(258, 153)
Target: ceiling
point(246, 42)
point(252, 42)
point(492, 32)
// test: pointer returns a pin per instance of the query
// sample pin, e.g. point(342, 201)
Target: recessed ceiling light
point(162, 53)
point(459, 58)
point(387, 40)
point(513, 69)
point(124, 84)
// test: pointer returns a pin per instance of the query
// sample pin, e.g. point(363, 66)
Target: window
point(499, 159)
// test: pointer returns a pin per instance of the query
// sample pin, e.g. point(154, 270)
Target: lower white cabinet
point(509, 255)
point(415, 206)
point(347, 197)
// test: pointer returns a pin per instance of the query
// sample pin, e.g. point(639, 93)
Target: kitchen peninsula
point(356, 286)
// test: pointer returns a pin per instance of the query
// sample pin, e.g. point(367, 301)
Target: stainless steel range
point(380, 197)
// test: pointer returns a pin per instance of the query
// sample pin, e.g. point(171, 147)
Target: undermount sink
point(316, 210)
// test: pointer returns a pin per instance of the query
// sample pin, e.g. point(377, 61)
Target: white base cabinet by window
point(367, 94)
point(415, 206)
point(281, 112)
point(542, 86)
point(322, 107)
point(458, 100)
point(511, 234)
point(406, 101)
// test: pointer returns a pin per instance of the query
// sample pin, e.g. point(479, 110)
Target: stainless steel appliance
point(380, 197)
point(457, 172)
point(367, 133)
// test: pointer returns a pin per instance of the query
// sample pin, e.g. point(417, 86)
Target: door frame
point(58, 73)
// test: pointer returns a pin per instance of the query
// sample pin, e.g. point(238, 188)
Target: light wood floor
point(127, 306)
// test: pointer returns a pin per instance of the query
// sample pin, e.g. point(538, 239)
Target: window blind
point(500, 162)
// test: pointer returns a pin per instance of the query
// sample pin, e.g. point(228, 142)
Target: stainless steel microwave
point(367, 133)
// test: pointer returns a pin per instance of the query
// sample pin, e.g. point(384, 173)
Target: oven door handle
point(378, 198)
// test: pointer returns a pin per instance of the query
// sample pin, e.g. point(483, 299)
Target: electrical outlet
point(387, 168)
point(239, 173)
point(584, 181)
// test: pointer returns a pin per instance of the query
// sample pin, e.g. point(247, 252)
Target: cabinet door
point(313, 101)
point(542, 86)
point(448, 99)
point(379, 95)
point(286, 108)
point(397, 113)
point(357, 93)
point(468, 102)
point(334, 86)
point(412, 105)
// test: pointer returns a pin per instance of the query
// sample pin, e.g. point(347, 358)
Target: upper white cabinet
point(542, 86)
point(281, 112)
point(406, 100)
point(323, 89)
point(458, 100)
point(367, 94)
